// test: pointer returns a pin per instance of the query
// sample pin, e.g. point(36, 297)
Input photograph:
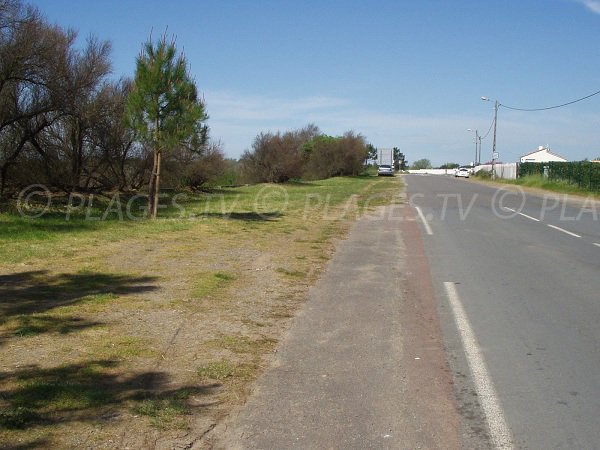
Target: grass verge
point(119, 332)
point(540, 182)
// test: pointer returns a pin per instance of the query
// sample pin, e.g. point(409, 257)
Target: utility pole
point(496, 105)
point(494, 154)
point(477, 140)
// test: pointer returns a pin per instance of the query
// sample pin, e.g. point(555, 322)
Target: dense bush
point(196, 170)
point(304, 153)
point(276, 157)
point(328, 156)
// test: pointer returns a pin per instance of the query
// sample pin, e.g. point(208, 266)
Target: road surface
point(525, 271)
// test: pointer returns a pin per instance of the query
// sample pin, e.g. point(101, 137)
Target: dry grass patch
point(144, 334)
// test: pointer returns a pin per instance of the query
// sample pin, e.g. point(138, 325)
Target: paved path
point(362, 365)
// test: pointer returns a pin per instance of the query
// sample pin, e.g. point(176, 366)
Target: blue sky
point(402, 73)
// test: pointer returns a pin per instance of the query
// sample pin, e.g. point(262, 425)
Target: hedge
point(584, 174)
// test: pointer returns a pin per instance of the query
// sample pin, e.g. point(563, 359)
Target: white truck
point(385, 162)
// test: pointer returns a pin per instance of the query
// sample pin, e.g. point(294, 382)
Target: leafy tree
point(399, 159)
point(422, 164)
point(371, 152)
point(163, 106)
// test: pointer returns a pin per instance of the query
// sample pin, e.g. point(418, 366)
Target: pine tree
point(163, 106)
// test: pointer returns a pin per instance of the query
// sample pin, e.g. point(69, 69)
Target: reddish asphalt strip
point(363, 364)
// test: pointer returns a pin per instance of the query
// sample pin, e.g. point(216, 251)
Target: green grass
point(36, 324)
point(39, 393)
point(210, 284)
point(122, 348)
point(540, 182)
point(218, 370)
point(291, 273)
point(243, 344)
point(61, 232)
point(224, 370)
point(165, 413)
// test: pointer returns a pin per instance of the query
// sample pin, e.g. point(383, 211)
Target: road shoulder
point(363, 364)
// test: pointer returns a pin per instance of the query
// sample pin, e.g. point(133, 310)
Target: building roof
point(541, 149)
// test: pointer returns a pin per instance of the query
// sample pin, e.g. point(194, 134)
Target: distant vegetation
point(450, 166)
point(302, 154)
point(422, 164)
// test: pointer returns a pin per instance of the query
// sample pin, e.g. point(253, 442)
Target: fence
point(584, 174)
point(432, 171)
point(507, 171)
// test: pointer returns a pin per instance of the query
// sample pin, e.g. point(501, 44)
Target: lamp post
point(477, 139)
point(494, 154)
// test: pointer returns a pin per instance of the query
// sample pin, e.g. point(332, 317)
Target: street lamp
point(477, 139)
point(494, 154)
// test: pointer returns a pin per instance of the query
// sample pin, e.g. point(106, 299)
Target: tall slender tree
point(163, 106)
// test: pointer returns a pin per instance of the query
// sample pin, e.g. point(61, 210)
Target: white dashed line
point(522, 214)
point(597, 245)
point(499, 431)
point(424, 220)
point(529, 217)
point(570, 233)
point(564, 231)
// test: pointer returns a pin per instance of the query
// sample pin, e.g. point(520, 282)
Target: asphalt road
point(525, 271)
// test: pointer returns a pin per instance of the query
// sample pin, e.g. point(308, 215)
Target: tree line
point(66, 124)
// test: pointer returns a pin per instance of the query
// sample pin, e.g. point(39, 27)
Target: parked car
point(385, 170)
point(464, 172)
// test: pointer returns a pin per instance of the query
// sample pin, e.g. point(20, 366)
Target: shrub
point(328, 156)
point(276, 158)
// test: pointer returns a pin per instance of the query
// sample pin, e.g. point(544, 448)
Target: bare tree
point(81, 80)
point(31, 62)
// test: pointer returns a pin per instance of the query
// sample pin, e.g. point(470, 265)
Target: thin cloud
point(236, 119)
point(234, 107)
point(592, 5)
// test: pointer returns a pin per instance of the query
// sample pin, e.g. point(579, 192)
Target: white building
point(542, 154)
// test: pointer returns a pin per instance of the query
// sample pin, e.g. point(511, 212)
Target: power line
point(489, 129)
point(551, 107)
